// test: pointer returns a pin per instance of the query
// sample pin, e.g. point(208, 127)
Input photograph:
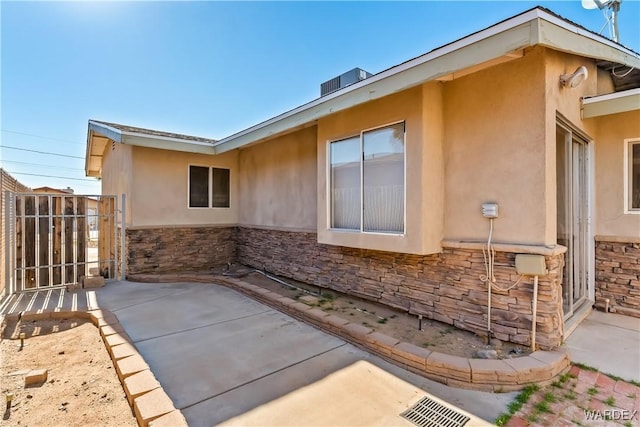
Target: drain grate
point(429, 413)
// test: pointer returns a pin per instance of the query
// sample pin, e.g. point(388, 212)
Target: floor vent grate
point(429, 413)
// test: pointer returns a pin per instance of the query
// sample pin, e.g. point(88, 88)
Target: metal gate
point(55, 239)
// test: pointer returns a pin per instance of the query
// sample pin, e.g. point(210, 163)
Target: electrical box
point(531, 265)
point(490, 210)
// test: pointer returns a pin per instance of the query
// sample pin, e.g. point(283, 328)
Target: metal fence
point(55, 239)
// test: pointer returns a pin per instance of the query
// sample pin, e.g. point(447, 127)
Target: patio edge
point(147, 399)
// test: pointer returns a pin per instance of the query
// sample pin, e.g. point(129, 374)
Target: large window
point(208, 187)
point(367, 181)
point(633, 175)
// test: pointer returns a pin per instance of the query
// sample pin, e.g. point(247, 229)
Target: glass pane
point(563, 198)
point(635, 176)
point(221, 188)
point(383, 179)
point(198, 187)
point(345, 184)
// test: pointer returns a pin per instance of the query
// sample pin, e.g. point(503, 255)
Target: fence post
point(8, 283)
point(123, 258)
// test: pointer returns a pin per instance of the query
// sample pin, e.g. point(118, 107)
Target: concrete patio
point(223, 357)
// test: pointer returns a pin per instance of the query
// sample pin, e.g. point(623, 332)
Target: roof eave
point(535, 27)
point(101, 130)
point(612, 103)
point(468, 52)
point(166, 143)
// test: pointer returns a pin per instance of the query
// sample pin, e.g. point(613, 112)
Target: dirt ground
point(82, 387)
point(435, 336)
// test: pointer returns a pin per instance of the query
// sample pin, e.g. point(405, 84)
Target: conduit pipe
point(534, 313)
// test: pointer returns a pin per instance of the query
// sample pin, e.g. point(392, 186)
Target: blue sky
point(206, 68)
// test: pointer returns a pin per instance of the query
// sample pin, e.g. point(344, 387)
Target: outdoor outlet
point(490, 210)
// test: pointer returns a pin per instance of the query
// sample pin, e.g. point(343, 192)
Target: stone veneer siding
point(171, 249)
point(443, 287)
point(618, 276)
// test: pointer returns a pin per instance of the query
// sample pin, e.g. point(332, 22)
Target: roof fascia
point(559, 35)
point(611, 103)
point(138, 138)
point(88, 152)
point(166, 143)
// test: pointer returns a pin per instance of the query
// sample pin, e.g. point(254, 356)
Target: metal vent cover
point(429, 413)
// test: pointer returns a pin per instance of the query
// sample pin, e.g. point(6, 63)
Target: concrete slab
point(360, 394)
point(243, 398)
point(215, 359)
point(609, 342)
point(191, 308)
point(125, 294)
point(219, 354)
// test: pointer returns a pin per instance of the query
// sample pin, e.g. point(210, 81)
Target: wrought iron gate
point(55, 239)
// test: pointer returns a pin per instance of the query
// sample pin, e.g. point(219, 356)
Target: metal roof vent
point(343, 80)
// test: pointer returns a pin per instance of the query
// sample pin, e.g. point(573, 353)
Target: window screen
point(198, 187)
point(221, 188)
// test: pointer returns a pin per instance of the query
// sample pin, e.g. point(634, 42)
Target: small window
point(367, 181)
point(209, 187)
point(198, 187)
point(633, 175)
point(221, 186)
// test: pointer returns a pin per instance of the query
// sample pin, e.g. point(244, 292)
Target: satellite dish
point(591, 4)
point(610, 9)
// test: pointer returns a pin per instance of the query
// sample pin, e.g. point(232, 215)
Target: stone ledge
point(499, 375)
point(151, 406)
point(138, 384)
point(172, 419)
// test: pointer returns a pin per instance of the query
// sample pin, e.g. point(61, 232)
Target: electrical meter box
point(531, 265)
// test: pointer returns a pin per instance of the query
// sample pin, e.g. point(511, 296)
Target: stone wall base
point(618, 277)
point(171, 249)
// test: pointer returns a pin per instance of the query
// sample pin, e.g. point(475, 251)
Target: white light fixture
point(574, 80)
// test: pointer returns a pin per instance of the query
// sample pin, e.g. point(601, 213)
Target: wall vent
point(343, 80)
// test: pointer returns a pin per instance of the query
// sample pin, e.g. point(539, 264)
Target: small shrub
point(592, 391)
point(543, 407)
point(610, 401)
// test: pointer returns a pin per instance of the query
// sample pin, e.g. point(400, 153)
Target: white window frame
point(328, 174)
point(210, 186)
point(628, 146)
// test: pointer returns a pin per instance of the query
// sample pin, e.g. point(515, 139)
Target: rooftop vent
point(343, 80)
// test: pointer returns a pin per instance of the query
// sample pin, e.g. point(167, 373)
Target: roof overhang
point(612, 103)
point(500, 43)
point(99, 135)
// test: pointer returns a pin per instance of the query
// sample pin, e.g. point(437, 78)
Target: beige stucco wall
point(118, 174)
point(423, 165)
point(612, 130)
point(159, 188)
point(495, 152)
point(277, 182)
